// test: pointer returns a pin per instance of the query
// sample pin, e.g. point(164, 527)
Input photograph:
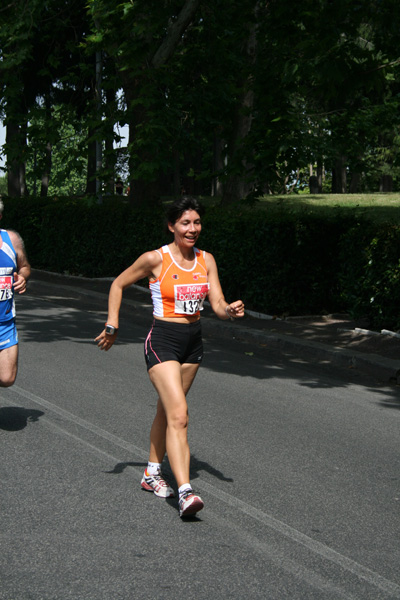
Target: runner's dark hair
point(177, 208)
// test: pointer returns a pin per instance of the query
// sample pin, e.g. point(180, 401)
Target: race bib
point(190, 298)
point(6, 287)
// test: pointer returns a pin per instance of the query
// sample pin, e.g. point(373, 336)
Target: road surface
point(298, 467)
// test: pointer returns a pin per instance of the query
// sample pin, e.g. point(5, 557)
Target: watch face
point(110, 330)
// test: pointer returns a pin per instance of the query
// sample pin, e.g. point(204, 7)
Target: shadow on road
point(195, 467)
point(120, 467)
point(81, 319)
point(14, 418)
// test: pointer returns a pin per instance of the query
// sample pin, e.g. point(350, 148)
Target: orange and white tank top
point(179, 292)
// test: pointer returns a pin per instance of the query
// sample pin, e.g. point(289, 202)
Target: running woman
point(180, 278)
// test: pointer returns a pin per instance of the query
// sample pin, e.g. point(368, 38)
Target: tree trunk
point(110, 156)
point(237, 186)
point(198, 184)
point(144, 193)
point(177, 188)
point(355, 183)
point(386, 183)
point(14, 185)
point(16, 139)
point(187, 180)
point(320, 174)
point(148, 191)
point(339, 176)
point(22, 164)
point(91, 166)
point(313, 184)
point(47, 163)
point(235, 189)
point(174, 34)
point(110, 161)
point(141, 192)
point(46, 173)
point(218, 165)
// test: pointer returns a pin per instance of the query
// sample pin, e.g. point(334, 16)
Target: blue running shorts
point(8, 334)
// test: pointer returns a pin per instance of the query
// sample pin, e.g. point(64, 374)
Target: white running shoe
point(189, 503)
point(157, 484)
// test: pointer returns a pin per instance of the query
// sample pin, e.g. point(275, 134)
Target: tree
point(42, 65)
point(338, 72)
point(142, 39)
point(16, 48)
point(228, 97)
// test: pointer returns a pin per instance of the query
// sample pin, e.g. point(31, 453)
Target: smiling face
point(186, 229)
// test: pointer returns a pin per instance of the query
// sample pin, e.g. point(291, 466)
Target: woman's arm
point(220, 306)
point(146, 265)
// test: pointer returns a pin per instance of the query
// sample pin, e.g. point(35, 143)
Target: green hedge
point(370, 273)
point(281, 264)
point(81, 238)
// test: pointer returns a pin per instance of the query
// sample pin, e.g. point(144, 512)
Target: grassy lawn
point(377, 206)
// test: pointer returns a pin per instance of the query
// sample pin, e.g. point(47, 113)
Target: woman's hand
point(235, 310)
point(105, 341)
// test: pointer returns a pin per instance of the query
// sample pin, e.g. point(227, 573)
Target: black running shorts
point(181, 342)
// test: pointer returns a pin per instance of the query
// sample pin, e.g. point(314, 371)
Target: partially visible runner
point(14, 273)
point(180, 277)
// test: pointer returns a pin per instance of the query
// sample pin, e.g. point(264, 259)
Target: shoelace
point(159, 478)
point(185, 494)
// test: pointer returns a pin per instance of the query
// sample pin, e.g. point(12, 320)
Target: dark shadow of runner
point(14, 418)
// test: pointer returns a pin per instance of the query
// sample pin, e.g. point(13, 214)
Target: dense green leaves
point(220, 96)
point(370, 280)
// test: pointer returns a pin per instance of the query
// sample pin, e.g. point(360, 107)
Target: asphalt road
point(298, 467)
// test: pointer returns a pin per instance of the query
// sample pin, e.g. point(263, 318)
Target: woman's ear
point(171, 227)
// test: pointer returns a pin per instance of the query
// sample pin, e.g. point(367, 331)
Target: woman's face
point(186, 229)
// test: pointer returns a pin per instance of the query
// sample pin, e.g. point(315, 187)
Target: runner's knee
point(179, 420)
point(7, 381)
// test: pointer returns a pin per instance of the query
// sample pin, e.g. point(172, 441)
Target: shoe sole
point(191, 510)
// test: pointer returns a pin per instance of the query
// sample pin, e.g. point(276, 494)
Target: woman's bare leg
point(169, 430)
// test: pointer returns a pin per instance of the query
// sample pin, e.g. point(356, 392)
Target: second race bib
point(6, 287)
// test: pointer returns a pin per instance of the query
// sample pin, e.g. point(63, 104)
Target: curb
point(384, 369)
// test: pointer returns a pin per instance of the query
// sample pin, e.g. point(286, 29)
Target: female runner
point(180, 277)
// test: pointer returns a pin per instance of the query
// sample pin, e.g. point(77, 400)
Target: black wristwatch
point(110, 329)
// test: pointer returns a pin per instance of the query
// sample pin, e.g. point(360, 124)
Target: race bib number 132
point(190, 298)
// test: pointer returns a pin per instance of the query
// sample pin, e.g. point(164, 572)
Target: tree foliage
point(224, 97)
